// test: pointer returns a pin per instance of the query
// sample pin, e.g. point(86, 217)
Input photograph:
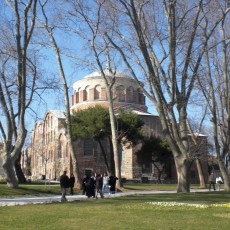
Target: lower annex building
point(48, 153)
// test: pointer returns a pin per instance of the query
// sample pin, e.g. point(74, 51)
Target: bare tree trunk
point(200, 173)
point(69, 135)
point(114, 139)
point(105, 156)
point(182, 166)
point(8, 167)
point(112, 164)
point(18, 170)
point(225, 175)
point(14, 103)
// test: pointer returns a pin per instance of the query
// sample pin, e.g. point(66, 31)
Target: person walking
point(91, 192)
point(64, 183)
point(219, 181)
point(84, 181)
point(112, 183)
point(98, 186)
point(105, 182)
point(211, 181)
point(71, 183)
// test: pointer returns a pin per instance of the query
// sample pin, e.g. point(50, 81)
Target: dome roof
point(108, 74)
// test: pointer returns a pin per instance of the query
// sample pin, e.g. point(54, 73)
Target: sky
point(54, 99)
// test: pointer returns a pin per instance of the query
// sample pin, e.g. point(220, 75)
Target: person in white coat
point(219, 181)
point(105, 182)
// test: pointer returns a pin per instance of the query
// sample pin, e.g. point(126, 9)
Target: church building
point(49, 154)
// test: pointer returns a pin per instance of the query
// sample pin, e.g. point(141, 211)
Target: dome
point(108, 74)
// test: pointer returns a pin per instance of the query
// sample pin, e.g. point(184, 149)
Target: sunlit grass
point(133, 212)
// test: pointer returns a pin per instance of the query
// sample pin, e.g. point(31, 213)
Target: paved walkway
point(49, 199)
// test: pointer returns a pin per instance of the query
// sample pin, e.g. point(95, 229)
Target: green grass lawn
point(33, 189)
point(132, 212)
point(41, 188)
point(206, 210)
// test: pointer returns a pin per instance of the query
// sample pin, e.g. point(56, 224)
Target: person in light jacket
point(105, 182)
point(219, 181)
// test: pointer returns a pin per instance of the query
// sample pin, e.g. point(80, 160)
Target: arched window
point(86, 94)
point(97, 92)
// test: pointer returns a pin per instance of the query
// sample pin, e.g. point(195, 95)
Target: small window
point(147, 168)
point(88, 147)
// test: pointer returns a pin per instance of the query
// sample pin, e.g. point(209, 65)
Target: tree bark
point(105, 157)
point(200, 173)
point(8, 167)
point(18, 170)
point(182, 166)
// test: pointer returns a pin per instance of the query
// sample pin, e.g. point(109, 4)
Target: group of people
point(66, 182)
point(92, 186)
point(96, 185)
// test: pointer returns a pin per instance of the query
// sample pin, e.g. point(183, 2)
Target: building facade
point(47, 155)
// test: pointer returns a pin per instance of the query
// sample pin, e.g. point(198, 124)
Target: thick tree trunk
point(104, 156)
point(201, 174)
point(182, 166)
point(8, 168)
point(18, 170)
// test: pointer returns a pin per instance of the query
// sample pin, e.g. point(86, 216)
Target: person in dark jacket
point(90, 187)
point(112, 183)
point(99, 185)
point(71, 183)
point(64, 183)
point(84, 181)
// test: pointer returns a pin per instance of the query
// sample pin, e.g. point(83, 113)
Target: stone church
point(48, 153)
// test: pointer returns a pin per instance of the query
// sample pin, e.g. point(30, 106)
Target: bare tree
point(15, 96)
point(162, 43)
point(50, 32)
point(79, 14)
point(216, 86)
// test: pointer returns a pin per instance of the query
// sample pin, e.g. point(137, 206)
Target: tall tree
point(50, 32)
point(216, 86)
point(89, 18)
point(16, 85)
point(95, 122)
point(162, 43)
